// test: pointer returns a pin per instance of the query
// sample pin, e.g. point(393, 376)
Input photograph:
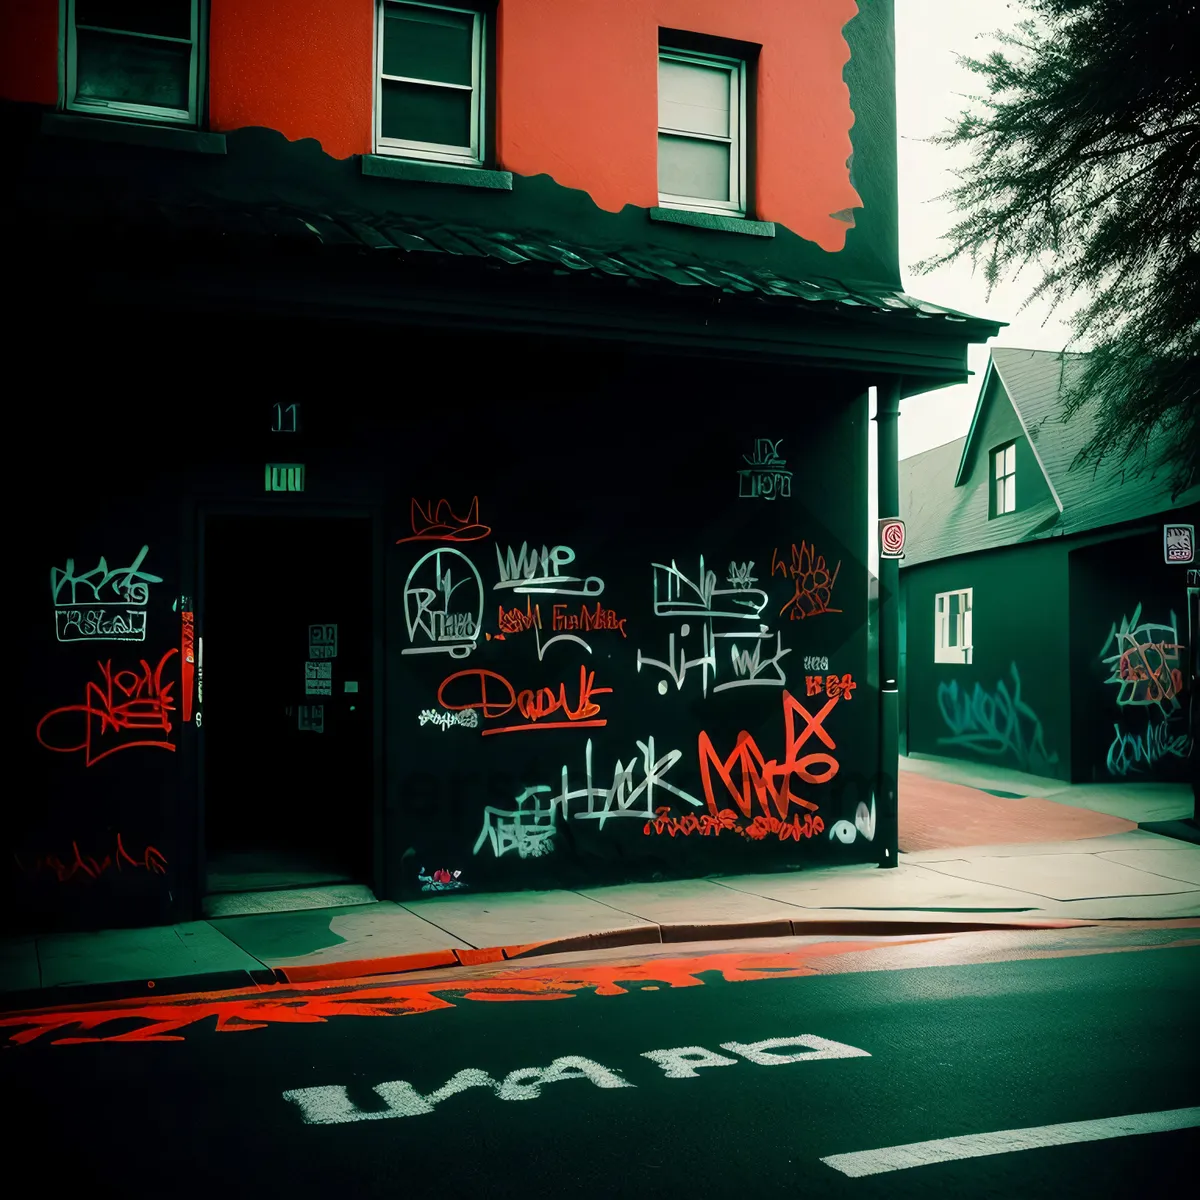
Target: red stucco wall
point(578, 99)
point(300, 66)
point(29, 51)
point(576, 88)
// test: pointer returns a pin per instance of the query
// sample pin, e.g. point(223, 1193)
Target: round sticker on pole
point(891, 537)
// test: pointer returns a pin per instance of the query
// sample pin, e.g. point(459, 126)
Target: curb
point(333, 972)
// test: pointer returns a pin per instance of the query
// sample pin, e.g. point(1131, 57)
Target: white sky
point(931, 90)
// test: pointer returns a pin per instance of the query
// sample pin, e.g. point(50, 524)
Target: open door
point(287, 695)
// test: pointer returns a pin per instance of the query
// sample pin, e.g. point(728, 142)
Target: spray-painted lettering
point(124, 706)
point(812, 582)
point(994, 723)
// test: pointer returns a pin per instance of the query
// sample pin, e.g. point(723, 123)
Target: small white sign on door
point(318, 679)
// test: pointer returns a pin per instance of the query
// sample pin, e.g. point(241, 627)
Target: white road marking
point(977, 1145)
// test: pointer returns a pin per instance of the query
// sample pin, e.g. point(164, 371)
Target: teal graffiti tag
point(1131, 751)
point(995, 723)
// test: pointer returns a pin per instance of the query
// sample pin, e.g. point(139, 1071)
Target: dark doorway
point(287, 679)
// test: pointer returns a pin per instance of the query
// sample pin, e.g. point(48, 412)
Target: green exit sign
point(285, 477)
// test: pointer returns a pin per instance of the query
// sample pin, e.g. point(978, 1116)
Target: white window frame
point(468, 156)
point(144, 112)
point(1004, 482)
point(737, 205)
point(962, 648)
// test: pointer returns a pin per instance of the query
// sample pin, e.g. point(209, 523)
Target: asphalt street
point(717, 1073)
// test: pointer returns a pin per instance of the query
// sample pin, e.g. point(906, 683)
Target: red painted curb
point(648, 935)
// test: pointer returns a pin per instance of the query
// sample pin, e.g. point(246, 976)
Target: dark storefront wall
point(597, 472)
point(1129, 662)
point(611, 464)
point(99, 733)
point(1011, 704)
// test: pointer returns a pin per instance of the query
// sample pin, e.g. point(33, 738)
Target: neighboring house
point(397, 377)
point(1043, 628)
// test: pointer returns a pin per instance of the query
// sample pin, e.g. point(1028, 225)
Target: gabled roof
point(945, 503)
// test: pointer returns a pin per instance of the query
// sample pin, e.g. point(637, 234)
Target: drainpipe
point(887, 415)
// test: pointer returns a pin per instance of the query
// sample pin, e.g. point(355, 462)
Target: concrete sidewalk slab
point(1183, 863)
point(306, 937)
point(159, 953)
point(1135, 839)
point(685, 903)
point(1128, 799)
point(1138, 802)
point(1063, 876)
point(513, 919)
point(908, 886)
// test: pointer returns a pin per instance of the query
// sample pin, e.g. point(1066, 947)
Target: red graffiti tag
point(832, 685)
point(812, 582)
point(533, 705)
point(767, 780)
point(513, 620)
point(187, 655)
point(706, 825)
point(152, 861)
point(440, 524)
point(124, 701)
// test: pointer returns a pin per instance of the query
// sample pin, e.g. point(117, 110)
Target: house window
point(1004, 480)
point(952, 627)
point(429, 99)
point(134, 58)
point(702, 132)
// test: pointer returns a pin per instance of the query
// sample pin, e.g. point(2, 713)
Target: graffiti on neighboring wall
point(812, 582)
point(765, 475)
point(103, 604)
point(1145, 659)
point(117, 712)
point(443, 604)
point(1133, 752)
point(996, 723)
point(83, 867)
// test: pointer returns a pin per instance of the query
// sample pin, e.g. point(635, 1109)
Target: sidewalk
point(1047, 863)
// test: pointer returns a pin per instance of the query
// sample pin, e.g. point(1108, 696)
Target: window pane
point(1010, 459)
point(694, 99)
point(422, 43)
point(167, 18)
point(132, 70)
point(998, 459)
point(413, 112)
point(691, 168)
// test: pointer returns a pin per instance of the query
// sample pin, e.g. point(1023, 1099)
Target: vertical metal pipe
point(887, 416)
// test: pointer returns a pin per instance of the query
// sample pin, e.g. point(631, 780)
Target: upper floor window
point(429, 99)
point(702, 132)
point(952, 627)
point(1004, 480)
point(135, 58)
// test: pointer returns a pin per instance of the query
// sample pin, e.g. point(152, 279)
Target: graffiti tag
point(996, 723)
point(1130, 751)
point(129, 702)
point(102, 604)
point(812, 582)
point(1143, 662)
